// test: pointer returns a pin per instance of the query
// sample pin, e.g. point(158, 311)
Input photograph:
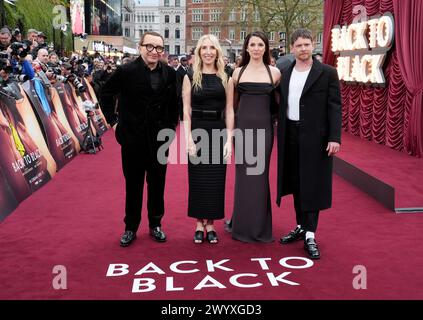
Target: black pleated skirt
point(206, 199)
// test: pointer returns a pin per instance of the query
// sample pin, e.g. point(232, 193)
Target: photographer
point(21, 66)
point(100, 76)
point(5, 38)
point(5, 70)
point(16, 35)
point(69, 76)
point(41, 67)
point(32, 36)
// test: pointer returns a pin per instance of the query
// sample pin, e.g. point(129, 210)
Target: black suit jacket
point(321, 121)
point(142, 110)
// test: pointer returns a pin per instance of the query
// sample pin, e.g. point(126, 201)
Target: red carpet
point(76, 221)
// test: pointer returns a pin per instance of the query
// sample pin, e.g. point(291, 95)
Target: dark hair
point(150, 33)
point(246, 56)
point(301, 33)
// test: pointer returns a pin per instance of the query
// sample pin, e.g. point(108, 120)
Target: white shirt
point(296, 86)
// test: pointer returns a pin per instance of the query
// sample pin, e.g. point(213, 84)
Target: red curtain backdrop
point(392, 115)
point(409, 34)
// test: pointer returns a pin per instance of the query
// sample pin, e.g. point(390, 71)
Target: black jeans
point(137, 164)
point(307, 219)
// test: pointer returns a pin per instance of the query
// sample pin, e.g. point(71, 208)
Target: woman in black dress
point(255, 82)
point(208, 121)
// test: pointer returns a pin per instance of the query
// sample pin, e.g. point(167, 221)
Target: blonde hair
point(198, 62)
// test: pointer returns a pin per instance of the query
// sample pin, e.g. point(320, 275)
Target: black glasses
point(150, 47)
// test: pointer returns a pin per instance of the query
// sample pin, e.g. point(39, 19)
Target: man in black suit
point(147, 104)
point(309, 134)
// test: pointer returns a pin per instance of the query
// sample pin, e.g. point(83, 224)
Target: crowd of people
point(25, 57)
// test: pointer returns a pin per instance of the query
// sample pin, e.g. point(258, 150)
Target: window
point(166, 3)
point(215, 31)
point(232, 15)
point(140, 32)
point(127, 17)
point(272, 36)
point(177, 33)
point(177, 49)
point(197, 15)
point(197, 1)
point(167, 19)
point(243, 15)
point(256, 16)
point(138, 18)
point(177, 3)
point(231, 34)
point(319, 38)
point(197, 33)
point(166, 35)
point(242, 35)
point(177, 19)
point(215, 14)
point(166, 47)
point(127, 32)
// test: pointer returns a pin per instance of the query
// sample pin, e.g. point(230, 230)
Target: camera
point(20, 49)
point(89, 106)
point(4, 55)
point(57, 73)
point(78, 85)
point(4, 65)
point(19, 77)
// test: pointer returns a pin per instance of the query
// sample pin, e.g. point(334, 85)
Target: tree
point(281, 15)
point(27, 14)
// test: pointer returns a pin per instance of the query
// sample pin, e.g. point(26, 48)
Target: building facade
point(231, 21)
point(143, 17)
point(172, 25)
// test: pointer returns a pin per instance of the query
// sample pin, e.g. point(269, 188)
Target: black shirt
point(154, 74)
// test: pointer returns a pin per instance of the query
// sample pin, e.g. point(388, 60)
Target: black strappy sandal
point(199, 236)
point(212, 237)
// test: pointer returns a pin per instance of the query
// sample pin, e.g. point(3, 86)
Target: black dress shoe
point(127, 238)
point(294, 235)
point(312, 249)
point(158, 234)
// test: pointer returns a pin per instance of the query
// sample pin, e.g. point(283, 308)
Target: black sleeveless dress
point(252, 215)
point(206, 197)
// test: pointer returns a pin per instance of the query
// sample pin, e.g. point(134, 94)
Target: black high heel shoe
point(212, 237)
point(199, 236)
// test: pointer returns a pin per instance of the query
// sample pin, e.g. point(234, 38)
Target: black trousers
point(138, 165)
point(307, 219)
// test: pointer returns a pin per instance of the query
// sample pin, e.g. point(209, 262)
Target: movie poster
point(77, 16)
point(24, 165)
point(75, 117)
point(8, 203)
point(61, 141)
